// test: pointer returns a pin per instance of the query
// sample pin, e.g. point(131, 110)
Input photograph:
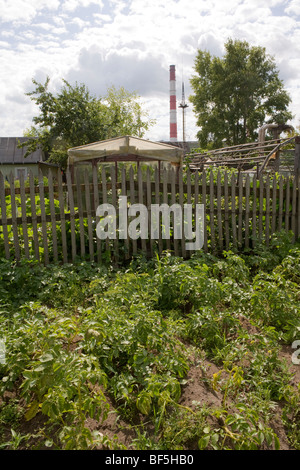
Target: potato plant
point(85, 341)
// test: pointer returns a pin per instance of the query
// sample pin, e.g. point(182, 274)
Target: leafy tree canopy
point(74, 117)
point(236, 94)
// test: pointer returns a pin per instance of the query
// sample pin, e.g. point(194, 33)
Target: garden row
point(159, 354)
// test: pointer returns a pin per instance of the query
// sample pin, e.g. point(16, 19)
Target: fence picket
point(173, 201)
point(113, 175)
point(132, 201)
point(274, 199)
point(204, 202)
point(41, 190)
point(267, 218)
point(24, 218)
point(211, 213)
point(62, 217)
point(14, 217)
point(80, 213)
point(124, 193)
point(141, 201)
point(72, 213)
point(254, 206)
point(149, 202)
point(240, 209)
point(157, 201)
point(226, 210)
point(287, 204)
point(233, 210)
point(294, 205)
point(189, 201)
point(89, 214)
point(53, 215)
point(219, 211)
point(261, 208)
point(34, 217)
point(166, 176)
point(280, 209)
point(247, 210)
point(104, 201)
point(4, 217)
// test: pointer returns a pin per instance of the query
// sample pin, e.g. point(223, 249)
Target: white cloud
point(23, 11)
point(19, 10)
point(72, 5)
point(293, 8)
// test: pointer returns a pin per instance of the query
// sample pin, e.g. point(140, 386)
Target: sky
point(132, 43)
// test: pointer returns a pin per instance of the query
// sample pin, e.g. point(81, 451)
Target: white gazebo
point(125, 149)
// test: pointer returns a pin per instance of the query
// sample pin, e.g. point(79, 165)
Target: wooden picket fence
point(53, 218)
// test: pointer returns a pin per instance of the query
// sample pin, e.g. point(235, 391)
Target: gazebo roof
point(125, 148)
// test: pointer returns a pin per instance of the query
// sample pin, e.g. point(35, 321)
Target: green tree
point(236, 94)
point(74, 117)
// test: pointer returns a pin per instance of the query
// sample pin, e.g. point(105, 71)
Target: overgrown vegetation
point(83, 341)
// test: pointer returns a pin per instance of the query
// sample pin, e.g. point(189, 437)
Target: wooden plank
point(80, 213)
point(43, 216)
point(166, 176)
point(113, 175)
point(226, 208)
point(132, 201)
point(105, 201)
point(260, 208)
point(280, 208)
point(23, 214)
point(14, 217)
point(294, 205)
point(287, 204)
point(204, 202)
point(254, 206)
point(72, 214)
point(274, 205)
point(157, 201)
point(53, 217)
point(173, 201)
point(4, 217)
point(149, 202)
point(189, 186)
point(34, 217)
point(233, 211)
point(62, 217)
point(89, 214)
point(141, 201)
point(188, 201)
point(219, 211)
point(211, 213)
point(96, 202)
point(247, 210)
point(267, 219)
point(240, 210)
point(124, 193)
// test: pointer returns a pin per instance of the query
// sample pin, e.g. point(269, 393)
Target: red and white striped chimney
point(173, 108)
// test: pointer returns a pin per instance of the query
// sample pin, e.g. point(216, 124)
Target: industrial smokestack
point(173, 110)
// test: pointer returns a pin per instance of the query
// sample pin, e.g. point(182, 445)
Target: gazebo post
point(159, 168)
point(116, 170)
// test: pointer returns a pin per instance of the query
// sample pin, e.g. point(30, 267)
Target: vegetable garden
point(160, 353)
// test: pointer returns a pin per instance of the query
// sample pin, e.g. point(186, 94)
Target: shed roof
point(11, 154)
point(126, 148)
